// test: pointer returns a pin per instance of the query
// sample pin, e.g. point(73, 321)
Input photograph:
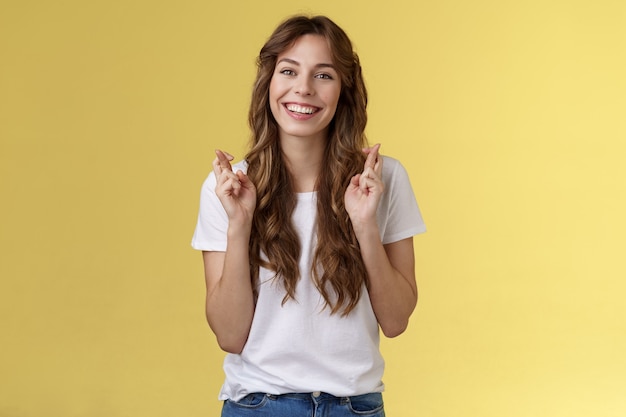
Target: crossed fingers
point(222, 162)
point(227, 180)
point(373, 168)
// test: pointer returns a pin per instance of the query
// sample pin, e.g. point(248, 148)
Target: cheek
point(278, 85)
point(331, 98)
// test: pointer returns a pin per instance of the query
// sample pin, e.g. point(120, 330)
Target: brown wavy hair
point(338, 270)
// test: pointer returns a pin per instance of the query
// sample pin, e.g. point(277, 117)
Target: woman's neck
point(303, 157)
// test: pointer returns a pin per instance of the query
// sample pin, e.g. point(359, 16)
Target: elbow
point(397, 325)
point(230, 346)
point(229, 341)
point(394, 329)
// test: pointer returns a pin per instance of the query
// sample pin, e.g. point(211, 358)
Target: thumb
point(354, 181)
point(243, 178)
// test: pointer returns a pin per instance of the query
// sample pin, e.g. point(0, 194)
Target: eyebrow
point(294, 62)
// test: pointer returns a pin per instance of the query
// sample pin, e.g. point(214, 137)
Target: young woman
point(307, 242)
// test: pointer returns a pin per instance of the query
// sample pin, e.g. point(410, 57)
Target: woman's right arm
point(229, 297)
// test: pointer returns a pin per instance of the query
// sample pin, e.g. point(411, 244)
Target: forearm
point(230, 301)
point(393, 294)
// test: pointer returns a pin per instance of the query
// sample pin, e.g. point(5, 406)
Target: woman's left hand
point(364, 191)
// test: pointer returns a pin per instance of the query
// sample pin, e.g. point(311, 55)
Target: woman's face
point(305, 89)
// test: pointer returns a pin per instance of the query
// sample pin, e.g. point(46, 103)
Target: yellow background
point(509, 115)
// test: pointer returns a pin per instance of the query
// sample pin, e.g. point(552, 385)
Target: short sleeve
point(210, 233)
point(398, 215)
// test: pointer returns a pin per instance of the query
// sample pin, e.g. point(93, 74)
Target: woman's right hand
point(234, 189)
point(229, 296)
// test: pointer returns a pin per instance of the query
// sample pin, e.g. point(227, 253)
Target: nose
point(304, 87)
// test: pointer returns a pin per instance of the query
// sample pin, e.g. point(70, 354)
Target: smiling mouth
point(296, 108)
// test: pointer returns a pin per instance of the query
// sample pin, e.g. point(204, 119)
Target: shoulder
point(392, 169)
point(390, 163)
point(241, 166)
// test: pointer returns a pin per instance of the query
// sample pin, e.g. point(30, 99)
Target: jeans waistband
point(319, 396)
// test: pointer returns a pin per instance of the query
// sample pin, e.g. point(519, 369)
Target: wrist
point(239, 230)
point(366, 231)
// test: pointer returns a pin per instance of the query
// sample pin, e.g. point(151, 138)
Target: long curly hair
point(338, 270)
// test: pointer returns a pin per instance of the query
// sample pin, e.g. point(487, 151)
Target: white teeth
point(300, 109)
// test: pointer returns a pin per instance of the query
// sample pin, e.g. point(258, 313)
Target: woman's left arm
point(391, 267)
point(392, 289)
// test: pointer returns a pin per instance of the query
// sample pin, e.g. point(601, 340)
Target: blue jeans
point(314, 404)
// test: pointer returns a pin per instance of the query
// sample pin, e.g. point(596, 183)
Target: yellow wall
point(510, 117)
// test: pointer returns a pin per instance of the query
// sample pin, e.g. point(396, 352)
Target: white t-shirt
point(300, 346)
